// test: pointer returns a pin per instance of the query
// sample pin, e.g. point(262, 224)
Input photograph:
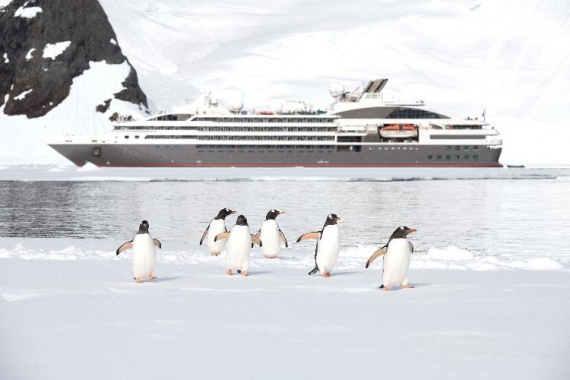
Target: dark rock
point(83, 23)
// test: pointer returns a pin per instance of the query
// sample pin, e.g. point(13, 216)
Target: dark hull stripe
point(497, 165)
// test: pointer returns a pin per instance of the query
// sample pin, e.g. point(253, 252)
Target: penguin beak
point(337, 218)
point(411, 230)
point(281, 212)
point(232, 212)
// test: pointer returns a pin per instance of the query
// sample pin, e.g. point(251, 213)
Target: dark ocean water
point(518, 213)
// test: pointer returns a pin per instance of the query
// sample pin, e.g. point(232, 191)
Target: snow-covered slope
point(509, 58)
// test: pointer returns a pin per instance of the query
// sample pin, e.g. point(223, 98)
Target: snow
point(77, 298)
point(6, 60)
point(75, 115)
point(460, 57)
point(30, 12)
point(29, 54)
point(53, 50)
point(23, 94)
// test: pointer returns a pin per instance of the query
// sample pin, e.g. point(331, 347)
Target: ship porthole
point(96, 152)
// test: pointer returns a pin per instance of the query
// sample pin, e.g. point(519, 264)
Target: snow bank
point(351, 258)
point(196, 322)
point(30, 12)
point(53, 50)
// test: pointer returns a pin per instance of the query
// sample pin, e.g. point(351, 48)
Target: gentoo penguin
point(328, 245)
point(270, 234)
point(216, 226)
point(238, 248)
point(396, 259)
point(144, 254)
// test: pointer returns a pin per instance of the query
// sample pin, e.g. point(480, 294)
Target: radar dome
point(236, 106)
point(336, 89)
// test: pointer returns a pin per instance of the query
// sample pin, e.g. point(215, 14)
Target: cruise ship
point(359, 129)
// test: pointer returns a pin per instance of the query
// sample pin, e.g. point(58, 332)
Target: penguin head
point(224, 212)
point(241, 221)
point(332, 219)
point(402, 232)
point(272, 214)
point(144, 226)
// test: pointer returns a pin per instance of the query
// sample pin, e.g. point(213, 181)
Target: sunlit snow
point(460, 57)
point(27, 12)
point(53, 50)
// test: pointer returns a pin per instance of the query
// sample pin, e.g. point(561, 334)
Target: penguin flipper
point(376, 254)
point(256, 240)
point(282, 235)
point(124, 247)
point(157, 243)
point(204, 234)
point(411, 246)
point(223, 235)
point(310, 235)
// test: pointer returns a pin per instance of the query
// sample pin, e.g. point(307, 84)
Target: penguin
point(328, 246)
point(271, 234)
point(396, 259)
point(238, 247)
point(144, 254)
point(216, 226)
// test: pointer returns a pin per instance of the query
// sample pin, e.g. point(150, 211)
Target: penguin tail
point(381, 286)
point(315, 270)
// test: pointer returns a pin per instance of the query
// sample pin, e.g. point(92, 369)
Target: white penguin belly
point(328, 249)
point(217, 226)
point(238, 248)
point(144, 255)
point(396, 263)
point(270, 238)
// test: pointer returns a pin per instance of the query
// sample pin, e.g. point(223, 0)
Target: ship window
point(475, 157)
point(126, 136)
point(136, 137)
point(466, 157)
point(457, 147)
point(448, 157)
point(475, 147)
point(466, 148)
point(457, 156)
point(439, 157)
point(447, 147)
point(430, 157)
point(96, 152)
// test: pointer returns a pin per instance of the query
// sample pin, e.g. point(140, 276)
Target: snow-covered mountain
point(509, 58)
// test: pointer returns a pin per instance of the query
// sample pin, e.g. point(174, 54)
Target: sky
point(463, 58)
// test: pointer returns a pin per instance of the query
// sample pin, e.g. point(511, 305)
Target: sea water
point(516, 218)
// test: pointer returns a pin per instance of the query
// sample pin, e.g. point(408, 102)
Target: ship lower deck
point(365, 155)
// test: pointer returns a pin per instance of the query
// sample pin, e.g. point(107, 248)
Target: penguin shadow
point(415, 286)
point(261, 273)
point(165, 279)
point(347, 273)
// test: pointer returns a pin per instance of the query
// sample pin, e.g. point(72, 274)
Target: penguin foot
point(408, 286)
point(152, 276)
point(327, 274)
point(138, 280)
point(229, 272)
point(244, 273)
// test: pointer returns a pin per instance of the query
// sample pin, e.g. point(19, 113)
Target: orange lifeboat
point(399, 131)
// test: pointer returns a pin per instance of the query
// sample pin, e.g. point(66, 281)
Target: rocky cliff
point(45, 44)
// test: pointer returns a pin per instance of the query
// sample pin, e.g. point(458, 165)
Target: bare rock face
point(44, 44)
